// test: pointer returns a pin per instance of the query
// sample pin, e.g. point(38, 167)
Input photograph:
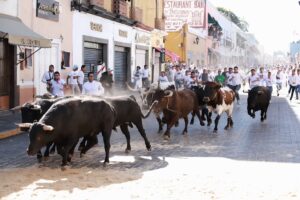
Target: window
point(28, 57)
point(65, 60)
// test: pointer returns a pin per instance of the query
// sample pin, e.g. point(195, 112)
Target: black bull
point(127, 112)
point(68, 120)
point(258, 99)
point(31, 112)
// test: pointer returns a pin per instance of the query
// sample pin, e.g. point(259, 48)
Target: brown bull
point(175, 105)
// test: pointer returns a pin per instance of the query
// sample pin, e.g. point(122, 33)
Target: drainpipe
point(132, 4)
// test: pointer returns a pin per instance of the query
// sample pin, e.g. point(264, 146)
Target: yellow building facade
point(189, 45)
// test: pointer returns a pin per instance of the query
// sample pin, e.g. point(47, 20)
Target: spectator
point(81, 77)
point(137, 78)
point(47, 77)
point(145, 77)
point(57, 85)
point(73, 82)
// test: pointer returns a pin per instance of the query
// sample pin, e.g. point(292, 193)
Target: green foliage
point(242, 24)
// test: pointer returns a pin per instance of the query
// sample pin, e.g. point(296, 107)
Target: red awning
point(173, 56)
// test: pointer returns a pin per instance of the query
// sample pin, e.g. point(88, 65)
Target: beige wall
point(47, 28)
point(195, 52)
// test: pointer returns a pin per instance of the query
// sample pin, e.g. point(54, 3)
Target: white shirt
point(57, 87)
point(145, 73)
point(73, 78)
point(48, 76)
point(178, 76)
point(163, 79)
point(293, 80)
point(279, 77)
point(191, 82)
point(137, 74)
point(80, 77)
point(229, 77)
point(237, 79)
point(298, 83)
point(211, 77)
point(269, 81)
point(254, 81)
point(92, 88)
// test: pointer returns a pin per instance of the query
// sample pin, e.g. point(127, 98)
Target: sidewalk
point(8, 122)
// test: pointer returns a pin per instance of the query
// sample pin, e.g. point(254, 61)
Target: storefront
point(157, 42)
point(13, 34)
point(142, 45)
point(123, 57)
point(92, 37)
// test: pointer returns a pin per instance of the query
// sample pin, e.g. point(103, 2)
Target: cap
point(75, 67)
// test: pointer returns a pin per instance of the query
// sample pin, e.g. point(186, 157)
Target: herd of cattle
point(59, 123)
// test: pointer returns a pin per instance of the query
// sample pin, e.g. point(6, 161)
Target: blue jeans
point(270, 88)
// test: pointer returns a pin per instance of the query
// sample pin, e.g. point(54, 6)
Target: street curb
point(9, 133)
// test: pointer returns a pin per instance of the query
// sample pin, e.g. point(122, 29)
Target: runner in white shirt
point(81, 77)
point(253, 79)
point(178, 77)
point(163, 78)
point(279, 81)
point(293, 81)
point(236, 81)
point(192, 80)
point(269, 81)
point(229, 78)
point(72, 80)
point(57, 85)
point(298, 84)
point(47, 77)
point(92, 87)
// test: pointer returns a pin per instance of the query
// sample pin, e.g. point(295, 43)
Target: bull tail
point(149, 111)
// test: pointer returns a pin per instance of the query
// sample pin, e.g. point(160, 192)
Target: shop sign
point(96, 27)
point(142, 38)
point(123, 33)
point(47, 9)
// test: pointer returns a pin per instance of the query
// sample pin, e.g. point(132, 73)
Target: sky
point(275, 23)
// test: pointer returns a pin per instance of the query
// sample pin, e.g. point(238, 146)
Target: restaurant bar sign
point(47, 9)
point(180, 12)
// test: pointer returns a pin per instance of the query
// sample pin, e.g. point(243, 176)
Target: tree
point(242, 24)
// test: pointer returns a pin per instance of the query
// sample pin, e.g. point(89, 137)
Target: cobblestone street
point(276, 141)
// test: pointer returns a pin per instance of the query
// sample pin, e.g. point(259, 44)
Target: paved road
point(277, 139)
point(199, 165)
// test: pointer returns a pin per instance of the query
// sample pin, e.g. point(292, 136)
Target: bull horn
point(130, 88)
point(245, 91)
point(16, 108)
point(169, 93)
point(48, 128)
point(24, 125)
point(259, 92)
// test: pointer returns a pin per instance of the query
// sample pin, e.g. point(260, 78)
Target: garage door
point(140, 58)
point(120, 70)
point(93, 52)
